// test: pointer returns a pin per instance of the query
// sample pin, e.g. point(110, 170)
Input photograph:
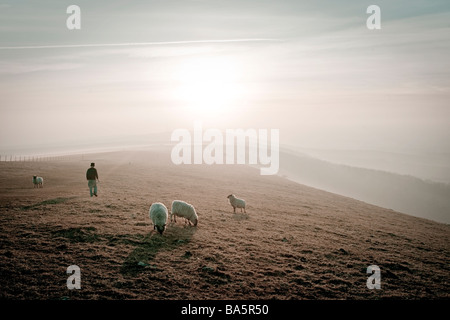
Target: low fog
point(389, 189)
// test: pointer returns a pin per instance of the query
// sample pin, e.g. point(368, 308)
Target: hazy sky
point(309, 68)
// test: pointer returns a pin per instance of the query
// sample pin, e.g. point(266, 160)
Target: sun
point(208, 86)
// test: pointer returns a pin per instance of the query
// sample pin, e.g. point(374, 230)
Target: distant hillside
point(422, 164)
point(398, 192)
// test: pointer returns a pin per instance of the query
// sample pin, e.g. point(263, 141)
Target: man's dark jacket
point(91, 174)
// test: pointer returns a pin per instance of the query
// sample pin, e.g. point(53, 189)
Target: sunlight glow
point(208, 86)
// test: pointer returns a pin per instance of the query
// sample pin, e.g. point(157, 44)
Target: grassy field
point(294, 242)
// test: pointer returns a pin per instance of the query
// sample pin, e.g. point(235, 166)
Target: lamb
point(184, 210)
point(236, 203)
point(158, 215)
point(38, 182)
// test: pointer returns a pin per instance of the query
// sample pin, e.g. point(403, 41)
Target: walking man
point(92, 177)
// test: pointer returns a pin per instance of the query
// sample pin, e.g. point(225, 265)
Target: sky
point(311, 69)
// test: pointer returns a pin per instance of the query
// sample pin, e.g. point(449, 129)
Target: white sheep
point(236, 203)
point(184, 210)
point(158, 215)
point(38, 182)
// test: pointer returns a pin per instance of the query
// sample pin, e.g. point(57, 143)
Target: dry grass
point(295, 242)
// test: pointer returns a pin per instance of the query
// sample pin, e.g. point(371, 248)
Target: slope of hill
point(294, 242)
point(426, 199)
point(427, 166)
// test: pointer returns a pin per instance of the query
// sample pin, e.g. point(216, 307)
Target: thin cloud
point(162, 43)
point(17, 68)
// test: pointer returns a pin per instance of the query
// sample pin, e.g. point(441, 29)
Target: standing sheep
point(184, 210)
point(236, 203)
point(38, 182)
point(158, 215)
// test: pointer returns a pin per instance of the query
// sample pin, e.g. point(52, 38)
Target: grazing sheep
point(236, 203)
point(158, 215)
point(38, 182)
point(184, 210)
